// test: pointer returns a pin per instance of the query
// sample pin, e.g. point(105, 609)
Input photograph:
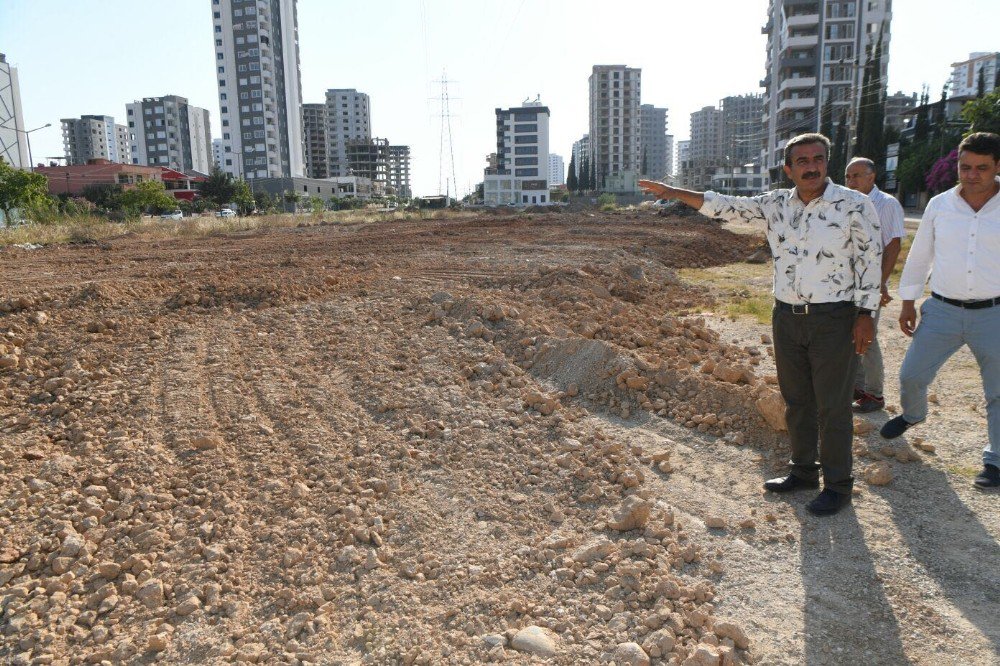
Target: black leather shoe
point(893, 428)
point(989, 477)
point(784, 484)
point(828, 503)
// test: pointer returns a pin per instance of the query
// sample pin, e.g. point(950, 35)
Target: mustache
point(811, 174)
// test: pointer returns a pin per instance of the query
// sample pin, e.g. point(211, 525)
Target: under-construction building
point(369, 158)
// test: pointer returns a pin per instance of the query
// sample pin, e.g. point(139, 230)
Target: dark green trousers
point(816, 363)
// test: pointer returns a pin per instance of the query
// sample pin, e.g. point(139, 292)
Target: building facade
point(260, 92)
point(817, 49)
point(314, 132)
point(75, 178)
point(581, 153)
point(218, 153)
point(95, 138)
point(615, 125)
point(964, 81)
point(13, 134)
point(705, 151)
point(895, 106)
point(348, 121)
point(655, 161)
point(522, 164)
point(167, 131)
point(741, 130)
point(399, 171)
point(682, 155)
point(557, 170)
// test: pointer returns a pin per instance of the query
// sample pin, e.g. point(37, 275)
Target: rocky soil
point(512, 439)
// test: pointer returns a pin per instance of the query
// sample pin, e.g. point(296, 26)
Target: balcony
point(797, 103)
point(802, 41)
point(797, 82)
point(794, 62)
point(802, 19)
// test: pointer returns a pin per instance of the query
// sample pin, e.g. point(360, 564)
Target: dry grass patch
point(741, 290)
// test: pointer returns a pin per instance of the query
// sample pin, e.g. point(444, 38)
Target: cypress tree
point(838, 157)
point(981, 83)
point(826, 119)
point(571, 182)
point(871, 141)
point(921, 128)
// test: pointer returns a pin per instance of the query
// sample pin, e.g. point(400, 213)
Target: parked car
point(172, 215)
point(226, 212)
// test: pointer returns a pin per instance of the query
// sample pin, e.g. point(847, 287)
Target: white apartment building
point(742, 137)
point(522, 165)
point(260, 92)
point(95, 138)
point(615, 126)
point(964, 81)
point(13, 134)
point(581, 153)
point(217, 152)
point(348, 120)
point(816, 49)
point(705, 152)
point(557, 170)
point(655, 160)
point(682, 155)
point(167, 131)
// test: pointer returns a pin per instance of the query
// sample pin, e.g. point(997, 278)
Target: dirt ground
point(514, 438)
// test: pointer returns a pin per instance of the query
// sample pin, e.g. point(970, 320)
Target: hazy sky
point(79, 57)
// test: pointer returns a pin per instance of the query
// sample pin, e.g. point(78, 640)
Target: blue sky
point(93, 56)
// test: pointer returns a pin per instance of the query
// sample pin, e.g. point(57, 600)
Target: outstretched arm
point(663, 191)
point(711, 204)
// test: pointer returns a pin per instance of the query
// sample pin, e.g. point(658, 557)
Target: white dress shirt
point(959, 247)
point(890, 215)
point(824, 252)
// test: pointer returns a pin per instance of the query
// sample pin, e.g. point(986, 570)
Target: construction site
point(501, 437)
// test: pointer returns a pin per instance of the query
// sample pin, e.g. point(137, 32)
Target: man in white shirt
point(827, 274)
point(860, 176)
point(958, 243)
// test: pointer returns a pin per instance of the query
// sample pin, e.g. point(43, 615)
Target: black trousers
point(816, 363)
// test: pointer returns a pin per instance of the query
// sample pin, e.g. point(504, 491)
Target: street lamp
point(27, 135)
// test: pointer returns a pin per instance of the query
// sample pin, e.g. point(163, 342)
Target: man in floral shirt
point(827, 253)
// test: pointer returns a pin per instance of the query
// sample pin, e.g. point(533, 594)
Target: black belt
point(811, 308)
point(968, 305)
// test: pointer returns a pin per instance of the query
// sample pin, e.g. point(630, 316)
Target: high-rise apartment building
point(522, 165)
point(964, 81)
point(655, 160)
point(670, 155)
point(260, 92)
point(681, 158)
point(348, 122)
point(817, 49)
point(167, 131)
point(13, 136)
point(316, 140)
point(399, 171)
point(218, 153)
point(581, 153)
point(557, 170)
point(615, 126)
point(742, 137)
point(705, 152)
point(95, 138)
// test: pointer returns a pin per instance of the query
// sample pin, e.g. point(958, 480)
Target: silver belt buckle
point(800, 309)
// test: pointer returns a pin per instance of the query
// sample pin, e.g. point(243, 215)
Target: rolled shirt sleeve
point(866, 239)
point(892, 220)
point(919, 260)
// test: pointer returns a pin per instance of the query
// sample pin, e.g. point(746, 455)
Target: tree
point(265, 203)
point(916, 160)
point(983, 114)
point(104, 196)
point(921, 125)
point(826, 119)
point(243, 197)
point(147, 196)
point(981, 83)
point(571, 181)
point(20, 189)
point(944, 174)
point(871, 123)
point(220, 188)
point(838, 152)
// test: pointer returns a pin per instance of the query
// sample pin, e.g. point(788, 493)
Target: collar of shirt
point(956, 192)
point(828, 193)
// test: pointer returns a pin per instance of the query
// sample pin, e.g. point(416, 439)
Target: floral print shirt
point(827, 251)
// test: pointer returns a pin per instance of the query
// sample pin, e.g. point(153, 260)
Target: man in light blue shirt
point(860, 176)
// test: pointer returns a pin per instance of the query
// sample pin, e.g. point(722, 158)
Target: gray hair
point(861, 160)
point(803, 139)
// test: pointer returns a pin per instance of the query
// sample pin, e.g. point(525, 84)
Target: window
point(222, 70)
point(222, 96)
point(527, 127)
point(526, 138)
point(525, 172)
point(526, 161)
point(526, 150)
point(219, 56)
